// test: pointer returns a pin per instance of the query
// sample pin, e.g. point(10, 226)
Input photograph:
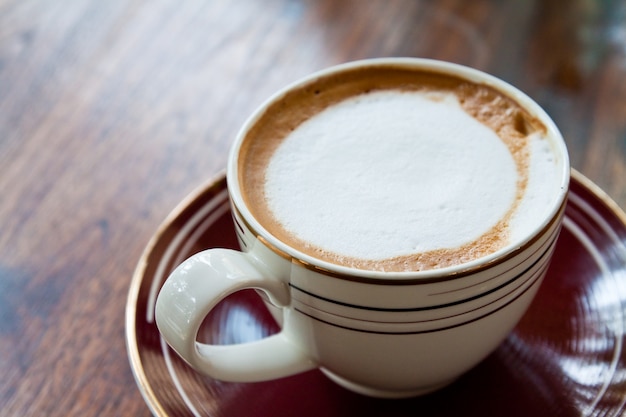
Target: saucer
point(566, 357)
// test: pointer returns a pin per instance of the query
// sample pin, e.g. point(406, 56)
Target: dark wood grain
point(111, 112)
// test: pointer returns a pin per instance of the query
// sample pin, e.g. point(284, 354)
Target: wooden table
point(111, 112)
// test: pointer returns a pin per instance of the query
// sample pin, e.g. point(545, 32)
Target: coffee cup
point(396, 215)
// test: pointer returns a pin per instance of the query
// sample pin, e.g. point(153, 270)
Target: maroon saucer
point(567, 357)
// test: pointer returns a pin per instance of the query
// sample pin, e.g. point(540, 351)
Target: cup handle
point(197, 286)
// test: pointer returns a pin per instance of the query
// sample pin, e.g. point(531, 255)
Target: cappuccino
point(397, 169)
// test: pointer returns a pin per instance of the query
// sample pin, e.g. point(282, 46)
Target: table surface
point(112, 112)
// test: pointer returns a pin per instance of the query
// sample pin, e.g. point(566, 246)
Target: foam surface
point(391, 173)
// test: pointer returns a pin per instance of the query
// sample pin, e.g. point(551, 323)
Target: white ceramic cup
point(385, 334)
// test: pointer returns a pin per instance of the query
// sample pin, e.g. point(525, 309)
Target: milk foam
point(540, 189)
point(393, 173)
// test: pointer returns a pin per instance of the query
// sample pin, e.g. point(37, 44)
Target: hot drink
point(398, 169)
point(398, 215)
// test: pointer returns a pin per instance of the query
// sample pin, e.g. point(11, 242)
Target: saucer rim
point(132, 345)
point(215, 181)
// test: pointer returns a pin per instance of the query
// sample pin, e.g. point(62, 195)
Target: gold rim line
point(132, 345)
point(354, 277)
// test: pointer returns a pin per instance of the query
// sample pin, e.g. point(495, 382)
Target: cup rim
point(341, 271)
